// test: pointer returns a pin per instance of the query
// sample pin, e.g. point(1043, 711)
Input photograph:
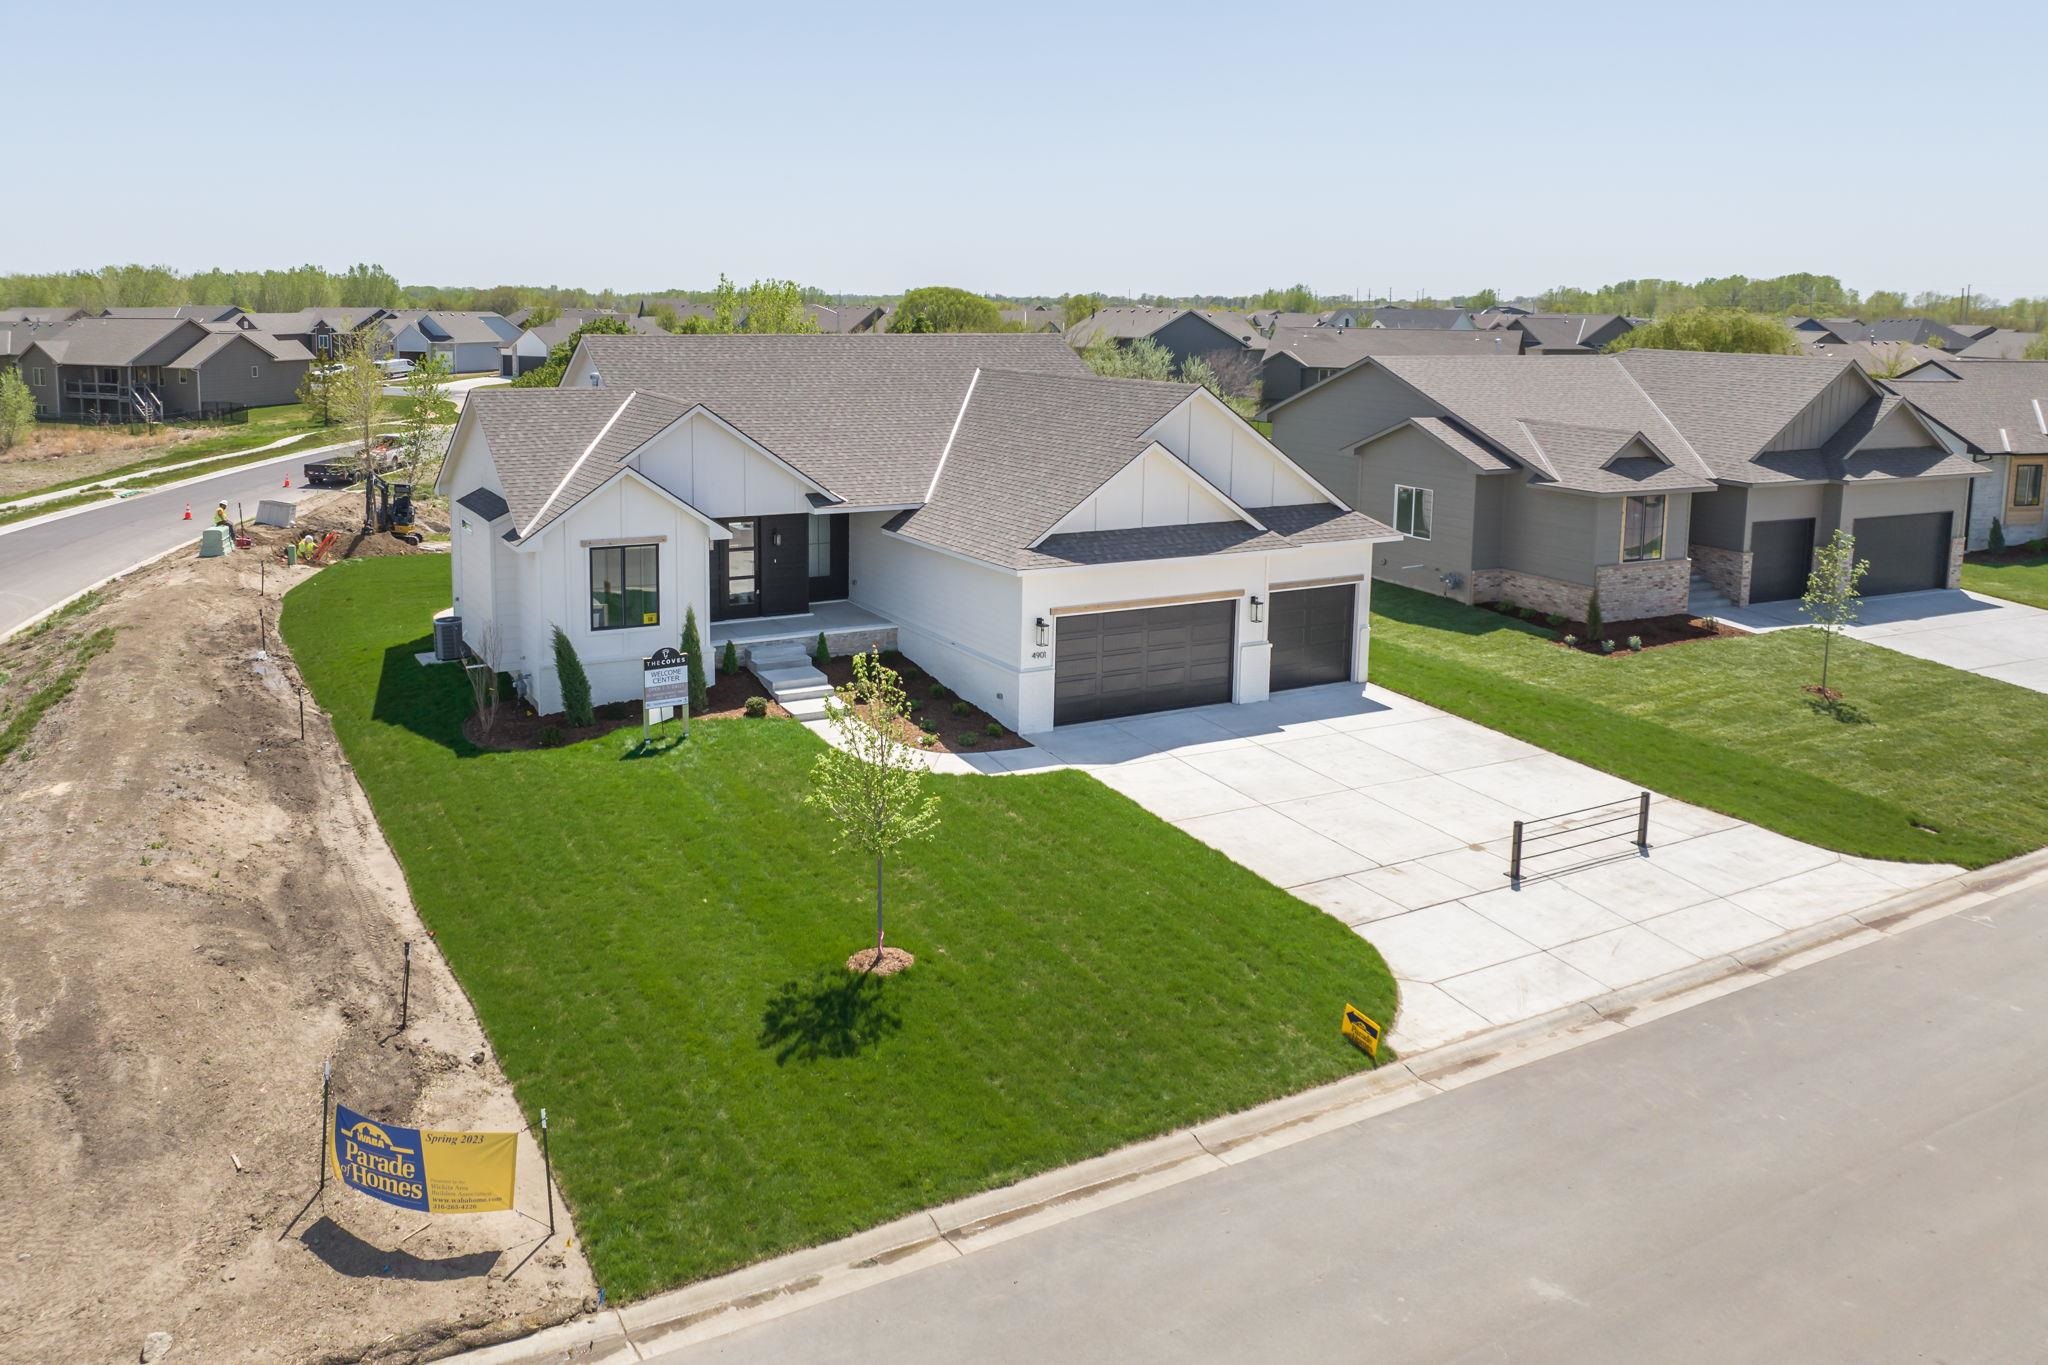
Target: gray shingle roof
point(2000, 344)
point(1421, 317)
point(1729, 406)
point(1568, 331)
point(1338, 347)
point(865, 417)
point(1030, 449)
point(552, 447)
point(1129, 324)
point(213, 343)
point(484, 503)
point(1316, 523)
point(1498, 398)
point(113, 341)
point(198, 312)
point(1488, 460)
point(1606, 460)
point(1995, 405)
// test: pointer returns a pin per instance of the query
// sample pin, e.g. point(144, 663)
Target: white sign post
point(664, 683)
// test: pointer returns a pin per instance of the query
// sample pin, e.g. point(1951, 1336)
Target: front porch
point(848, 629)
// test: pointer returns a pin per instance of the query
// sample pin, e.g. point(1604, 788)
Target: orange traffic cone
point(188, 511)
point(287, 481)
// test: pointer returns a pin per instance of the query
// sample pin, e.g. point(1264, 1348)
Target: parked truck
point(348, 466)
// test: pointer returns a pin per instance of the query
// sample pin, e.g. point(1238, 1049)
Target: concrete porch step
point(806, 708)
point(780, 654)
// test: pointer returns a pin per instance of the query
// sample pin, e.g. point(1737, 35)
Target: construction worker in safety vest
point(220, 515)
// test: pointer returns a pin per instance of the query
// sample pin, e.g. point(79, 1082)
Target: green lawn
point(1921, 763)
point(2022, 579)
point(656, 945)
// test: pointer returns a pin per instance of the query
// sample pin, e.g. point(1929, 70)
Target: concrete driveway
point(1987, 635)
point(1396, 818)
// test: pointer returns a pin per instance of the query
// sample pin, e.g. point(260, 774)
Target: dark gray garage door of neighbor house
point(1906, 554)
point(1310, 630)
point(1781, 559)
point(1121, 663)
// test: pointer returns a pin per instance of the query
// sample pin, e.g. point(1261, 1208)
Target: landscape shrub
point(928, 725)
point(995, 730)
point(938, 691)
point(1996, 541)
point(1635, 644)
point(1568, 640)
point(1593, 621)
point(1555, 619)
point(693, 649)
point(961, 708)
point(575, 682)
point(550, 737)
point(729, 662)
point(821, 653)
point(756, 707)
point(968, 740)
point(1607, 646)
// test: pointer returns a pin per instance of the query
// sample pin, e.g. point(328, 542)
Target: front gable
point(1229, 452)
point(1154, 489)
point(718, 469)
point(1901, 429)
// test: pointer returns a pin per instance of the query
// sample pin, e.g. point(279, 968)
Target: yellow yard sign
point(1362, 1031)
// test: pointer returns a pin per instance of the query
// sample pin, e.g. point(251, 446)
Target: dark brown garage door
point(1121, 663)
point(1310, 629)
point(1781, 559)
point(1906, 554)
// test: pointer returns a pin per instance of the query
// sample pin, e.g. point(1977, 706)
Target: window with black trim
point(1413, 508)
point(625, 586)
point(2026, 485)
point(1642, 528)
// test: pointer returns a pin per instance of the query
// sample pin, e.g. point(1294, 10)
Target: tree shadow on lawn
point(833, 1013)
point(1846, 712)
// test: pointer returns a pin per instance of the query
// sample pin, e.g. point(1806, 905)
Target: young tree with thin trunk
point(358, 391)
point(870, 783)
point(1831, 598)
point(428, 407)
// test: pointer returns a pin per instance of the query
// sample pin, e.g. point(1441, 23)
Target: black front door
point(763, 569)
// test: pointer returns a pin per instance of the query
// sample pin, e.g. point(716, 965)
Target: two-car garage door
point(1121, 663)
point(1906, 554)
point(1124, 663)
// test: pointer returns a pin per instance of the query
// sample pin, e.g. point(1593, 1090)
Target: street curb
point(114, 491)
point(775, 1288)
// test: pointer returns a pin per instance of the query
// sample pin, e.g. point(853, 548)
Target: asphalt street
point(1847, 1163)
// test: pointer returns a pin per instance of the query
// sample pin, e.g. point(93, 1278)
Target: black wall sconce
point(777, 539)
point(1043, 627)
point(1258, 609)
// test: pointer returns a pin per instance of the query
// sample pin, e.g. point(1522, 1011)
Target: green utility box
point(215, 541)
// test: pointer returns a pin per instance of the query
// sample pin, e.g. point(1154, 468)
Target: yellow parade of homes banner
point(423, 1168)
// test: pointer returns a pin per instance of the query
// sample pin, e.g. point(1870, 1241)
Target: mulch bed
point(894, 960)
point(518, 728)
point(1655, 631)
point(931, 700)
point(728, 697)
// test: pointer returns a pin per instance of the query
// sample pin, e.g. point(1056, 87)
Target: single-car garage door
point(1781, 559)
point(1310, 630)
point(1906, 554)
point(1121, 663)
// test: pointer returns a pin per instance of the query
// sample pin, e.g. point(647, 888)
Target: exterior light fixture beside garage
point(1044, 626)
point(1258, 610)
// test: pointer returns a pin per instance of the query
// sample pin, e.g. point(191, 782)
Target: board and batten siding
point(719, 474)
point(1318, 430)
point(1822, 417)
point(1188, 335)
point(1418, 460)
point(1153, 490)
point(1227, 452)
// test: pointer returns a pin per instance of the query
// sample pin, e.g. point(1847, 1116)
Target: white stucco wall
point(1231, 455)
point(957, 618)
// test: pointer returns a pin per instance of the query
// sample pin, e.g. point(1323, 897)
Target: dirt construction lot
point(196, 911)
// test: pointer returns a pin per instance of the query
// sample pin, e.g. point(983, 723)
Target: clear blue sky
point(1433, 146)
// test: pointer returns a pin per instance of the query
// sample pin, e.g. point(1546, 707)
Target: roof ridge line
point(1658, 408)
point(932, 488)
point(602, 432)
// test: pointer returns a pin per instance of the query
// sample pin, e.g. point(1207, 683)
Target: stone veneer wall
point(1627, 591)
point(1955, 562)
point(1653, 587)
point(1727, 570)
point(838, 641)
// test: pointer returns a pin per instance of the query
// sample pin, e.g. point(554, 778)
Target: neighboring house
point(1569, 333)
point(1827, 331)
point(1919, 332)
point(1184, 332)
point(1532, 483)
point(471, 343)
point(13, 315)
point(554, 333)
point(1448, 319)
point(129, 369)
point(1301, 356)
point(1333, 317)
point(845, 318)
point(1998, 410)
point(320, 330)
point(1035, 318)
point(1057, 546)
point(198, 312)
point(2000, 343)
point(1879, 358)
